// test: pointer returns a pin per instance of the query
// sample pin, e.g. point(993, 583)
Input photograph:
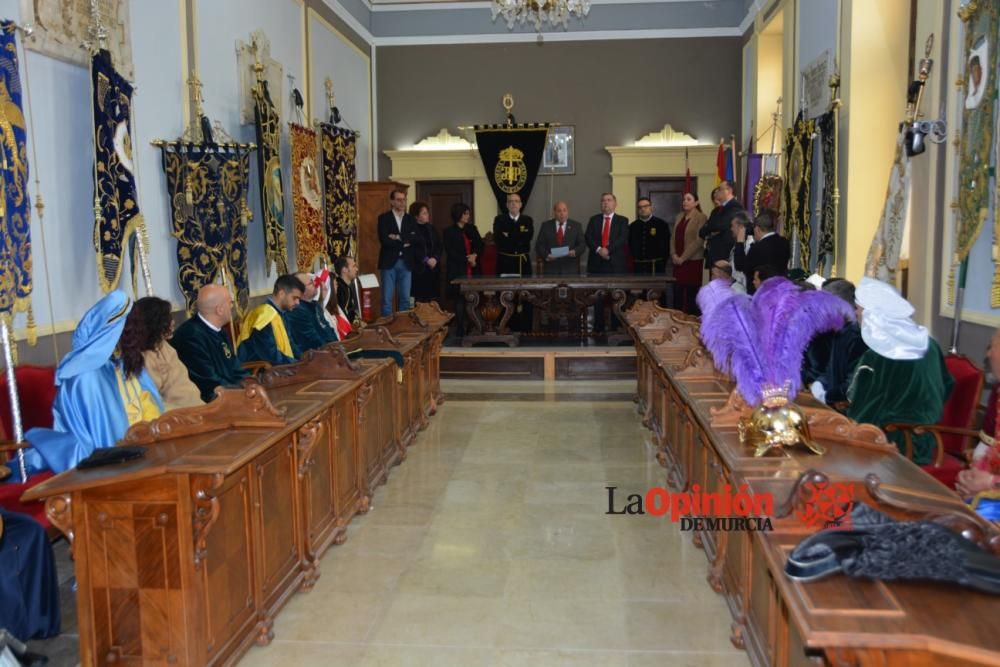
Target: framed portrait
point(560, 152)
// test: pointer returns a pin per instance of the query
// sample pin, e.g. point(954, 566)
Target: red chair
point(36, 387)
point(954, 434)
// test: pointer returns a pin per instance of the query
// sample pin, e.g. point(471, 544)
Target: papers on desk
point(368, 281)
point(561, 251)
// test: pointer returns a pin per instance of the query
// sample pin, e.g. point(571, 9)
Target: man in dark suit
point(649, 240)
point(560, 232)
point(396, 231)
point(607, 239)
point(717, 230)
point(769, 248)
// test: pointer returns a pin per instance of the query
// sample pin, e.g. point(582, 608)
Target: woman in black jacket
point(426, 254)
point(462, 247)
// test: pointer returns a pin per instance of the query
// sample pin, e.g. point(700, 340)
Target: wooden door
point(666, 195)
point(373, 201)
point(441, 196)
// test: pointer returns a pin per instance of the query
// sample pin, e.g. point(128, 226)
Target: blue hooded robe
point(89, 411)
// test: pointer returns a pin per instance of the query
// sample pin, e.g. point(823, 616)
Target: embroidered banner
point(341, 184)
point(982, 26)
point(798, 171)
point(511, 157)
point(115, 199)
point(307, 199)
point(15, 219)
point(883, 255)
point(272, 194)
point(826, 247)
point(208, 187)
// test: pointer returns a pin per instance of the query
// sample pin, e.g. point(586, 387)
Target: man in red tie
point(560, 243)
point(607, 238)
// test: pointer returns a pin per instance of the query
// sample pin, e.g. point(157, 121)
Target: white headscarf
point(886, 325)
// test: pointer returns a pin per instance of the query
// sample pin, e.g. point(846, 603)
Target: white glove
point(818, 391)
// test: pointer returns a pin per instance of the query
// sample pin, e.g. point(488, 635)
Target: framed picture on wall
point(560, 152)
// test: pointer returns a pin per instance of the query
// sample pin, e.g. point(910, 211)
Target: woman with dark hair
point(147, 328)
point(426, 255)
point(689, 254)
point(462, 247)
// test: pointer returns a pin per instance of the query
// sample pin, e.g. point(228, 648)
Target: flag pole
point(956, 324)
point(15, 403)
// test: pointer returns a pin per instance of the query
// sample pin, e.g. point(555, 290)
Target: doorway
point(440, 196)
point(665, 193)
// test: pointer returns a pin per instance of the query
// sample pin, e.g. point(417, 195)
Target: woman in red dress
point(689, 254)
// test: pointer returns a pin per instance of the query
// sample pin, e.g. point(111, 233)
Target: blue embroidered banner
point(15, 219)
point(208, 186)
point(115, 201)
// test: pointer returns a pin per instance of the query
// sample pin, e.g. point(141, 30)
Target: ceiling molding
point(405, 6)
point(580, 36)
point(526, 37)
point(351, 21)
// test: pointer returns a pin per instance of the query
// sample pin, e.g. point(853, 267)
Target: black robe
point(308, 327)
point(208, 356)
point(347, 299)
point(649, 243)
point(513, 241)
point(831, 359)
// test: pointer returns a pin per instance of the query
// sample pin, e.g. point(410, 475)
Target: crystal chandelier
point(555, 12)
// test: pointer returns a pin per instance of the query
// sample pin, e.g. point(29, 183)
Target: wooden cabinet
point(373, 201)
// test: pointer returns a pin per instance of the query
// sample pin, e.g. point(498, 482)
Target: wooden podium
point(373, 201)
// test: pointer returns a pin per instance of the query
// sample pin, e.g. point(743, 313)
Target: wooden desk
point(779, 621)
point(186, 556)
point(490, 301)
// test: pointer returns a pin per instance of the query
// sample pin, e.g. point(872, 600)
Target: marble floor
point(490, 546)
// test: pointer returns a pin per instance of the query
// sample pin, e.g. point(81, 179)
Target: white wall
point(60, 116)
point(332, 55)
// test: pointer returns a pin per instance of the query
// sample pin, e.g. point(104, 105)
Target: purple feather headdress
point(760, 341)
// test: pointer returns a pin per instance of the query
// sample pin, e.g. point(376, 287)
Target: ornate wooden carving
point(729, 415)
point(232, 408)
point(327, 363)
point(308, 438)
point(830, 424)
point(970, 525)
point(206, 511)
point(698, 364)
point(59, 510)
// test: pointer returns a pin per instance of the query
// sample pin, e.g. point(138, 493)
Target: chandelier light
point(538, 12)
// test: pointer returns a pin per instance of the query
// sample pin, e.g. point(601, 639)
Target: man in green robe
point(307, 324)
point(202, 345)
point(264, 334)
point(902, 377)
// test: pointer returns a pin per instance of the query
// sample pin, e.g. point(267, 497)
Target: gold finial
point(258, 66)
point(508, 102)
point(97, 33)
point(330, 97)
point(195, 84)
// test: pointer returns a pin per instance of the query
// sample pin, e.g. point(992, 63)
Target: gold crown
point(774, 396)
point(511, 154)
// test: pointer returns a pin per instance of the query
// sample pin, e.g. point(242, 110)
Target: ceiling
point(405, 22)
